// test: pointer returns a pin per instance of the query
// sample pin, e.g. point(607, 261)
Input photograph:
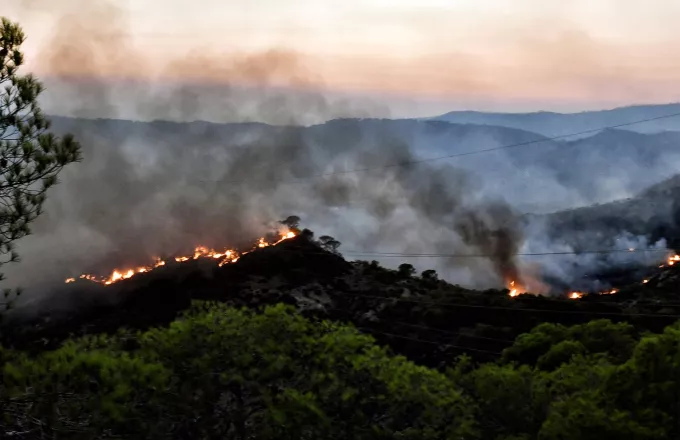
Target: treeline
point(222, 372)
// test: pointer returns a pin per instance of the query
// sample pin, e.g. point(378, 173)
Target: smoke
point(571, 258)
point(160, 188)
point(156, 189)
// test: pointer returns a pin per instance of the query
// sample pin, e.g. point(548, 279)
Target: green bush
point(221, 372)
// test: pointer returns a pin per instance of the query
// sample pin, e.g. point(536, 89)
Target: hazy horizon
point(408, 58)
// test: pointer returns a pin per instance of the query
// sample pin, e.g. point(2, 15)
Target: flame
point(514, 290)
point(224, 256)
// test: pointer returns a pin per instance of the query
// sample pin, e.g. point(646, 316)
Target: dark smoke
point(161, 188)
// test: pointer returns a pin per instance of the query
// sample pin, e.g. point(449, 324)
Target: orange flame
point(225, 256)
point(514, 290)
point(575, 295)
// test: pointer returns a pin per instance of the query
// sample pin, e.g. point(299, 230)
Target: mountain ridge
point(559, 124)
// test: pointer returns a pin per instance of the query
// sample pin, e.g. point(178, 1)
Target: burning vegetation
point(516, 288)
point(228, 255)
point(224, 256)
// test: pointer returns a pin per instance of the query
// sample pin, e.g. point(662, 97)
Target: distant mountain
point(527, 169)
point(560, 124)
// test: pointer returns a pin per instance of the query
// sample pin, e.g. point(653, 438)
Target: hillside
point(654, 213)
point(559, 124)
point(322, 284)
point(145, 360)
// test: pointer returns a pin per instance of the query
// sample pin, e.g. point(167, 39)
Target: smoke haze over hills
point(155, 188)
point(150, 189)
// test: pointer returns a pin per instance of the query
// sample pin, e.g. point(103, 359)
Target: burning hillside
point(516, 288)
point(300, 271)
point(519, 280)
point(223, 257)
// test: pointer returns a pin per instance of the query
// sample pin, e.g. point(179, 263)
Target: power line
point(480, 255)
point(537, 297)
point(477, 306)
point(533, 296)
point(439, 344)
point(425, 327)
point(525, 254)
point(450, 156)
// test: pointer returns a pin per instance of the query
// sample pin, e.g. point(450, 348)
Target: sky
point(419, 57)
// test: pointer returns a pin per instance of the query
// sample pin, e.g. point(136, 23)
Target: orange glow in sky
point(513, 55)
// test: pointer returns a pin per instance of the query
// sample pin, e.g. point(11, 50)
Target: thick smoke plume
point(157, 189)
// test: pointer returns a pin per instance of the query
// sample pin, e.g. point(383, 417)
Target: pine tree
point(30, 156)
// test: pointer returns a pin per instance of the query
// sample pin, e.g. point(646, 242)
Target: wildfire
point(514, 290)
point(575, 295)
point(224, 256)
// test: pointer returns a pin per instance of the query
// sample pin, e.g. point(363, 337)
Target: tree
point(430, 275)
point(224, 373)
point(549, 345)
point(406, 270)
point(30, 156)
point(292, 222)
point(329, 243)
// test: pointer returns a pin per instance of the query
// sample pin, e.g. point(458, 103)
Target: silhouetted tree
point(406, 270)
point(430, 275)
point(292, 222)
point(30, 156)
point(329, 243)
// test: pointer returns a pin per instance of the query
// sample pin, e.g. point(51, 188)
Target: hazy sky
point(421, 56)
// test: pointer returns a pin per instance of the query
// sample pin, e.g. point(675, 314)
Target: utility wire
point(517, 309)
point(429, 342)
point(425, 327)
point(450, 156)
point(524, 254)
point(529, 296)
point(478, 255)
